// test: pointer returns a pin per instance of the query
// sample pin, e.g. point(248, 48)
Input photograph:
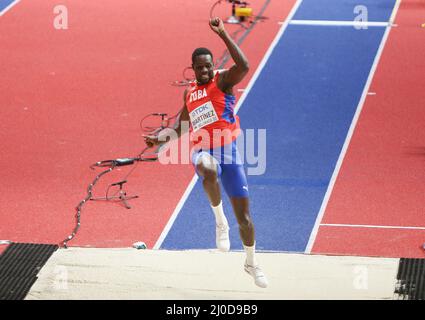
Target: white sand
point(83, 273)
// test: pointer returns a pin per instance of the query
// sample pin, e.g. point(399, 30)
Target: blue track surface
point(305, 97)
point(343, 10)
point(4, 4)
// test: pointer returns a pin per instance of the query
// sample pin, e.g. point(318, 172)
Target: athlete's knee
point(207, 173)
point(206, 166)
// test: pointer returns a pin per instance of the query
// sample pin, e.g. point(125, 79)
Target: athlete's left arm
point(237, 72)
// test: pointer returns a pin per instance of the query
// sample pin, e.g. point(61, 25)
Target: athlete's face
point(203, 67)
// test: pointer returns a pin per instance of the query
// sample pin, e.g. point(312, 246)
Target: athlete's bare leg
point(246, 227)
point(208, 171)
point(207, 168)
point(247, 233)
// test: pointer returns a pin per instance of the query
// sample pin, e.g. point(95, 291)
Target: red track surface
point(382, 178)
point(73, 97)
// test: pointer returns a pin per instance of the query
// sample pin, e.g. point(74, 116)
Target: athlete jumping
point(209, 108)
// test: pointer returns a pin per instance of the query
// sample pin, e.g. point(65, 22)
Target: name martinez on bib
point(212, 117)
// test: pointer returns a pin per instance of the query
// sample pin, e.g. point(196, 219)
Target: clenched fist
point(217, 25)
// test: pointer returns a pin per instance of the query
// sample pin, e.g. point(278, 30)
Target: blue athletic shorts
point(229, 167)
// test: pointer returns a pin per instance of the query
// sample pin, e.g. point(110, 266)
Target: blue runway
point(306, 97)
point(343, 10)
point(4, 4)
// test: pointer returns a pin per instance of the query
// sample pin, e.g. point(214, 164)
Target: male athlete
point(208, 106)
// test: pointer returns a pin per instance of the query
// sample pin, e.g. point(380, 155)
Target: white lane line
point(369, 226)
point(9, 7)
point(175, 212)
point(340, 23)
point(239, 103)
point(319, 218)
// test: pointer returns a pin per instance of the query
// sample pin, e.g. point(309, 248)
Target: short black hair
point(199, 52)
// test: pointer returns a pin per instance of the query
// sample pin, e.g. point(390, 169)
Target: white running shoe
point(222, 237)
point(258, 275)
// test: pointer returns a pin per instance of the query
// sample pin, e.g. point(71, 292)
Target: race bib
point(202, 116)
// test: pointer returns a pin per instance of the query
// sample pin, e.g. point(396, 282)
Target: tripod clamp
point(111, 165)
point(122, 195)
